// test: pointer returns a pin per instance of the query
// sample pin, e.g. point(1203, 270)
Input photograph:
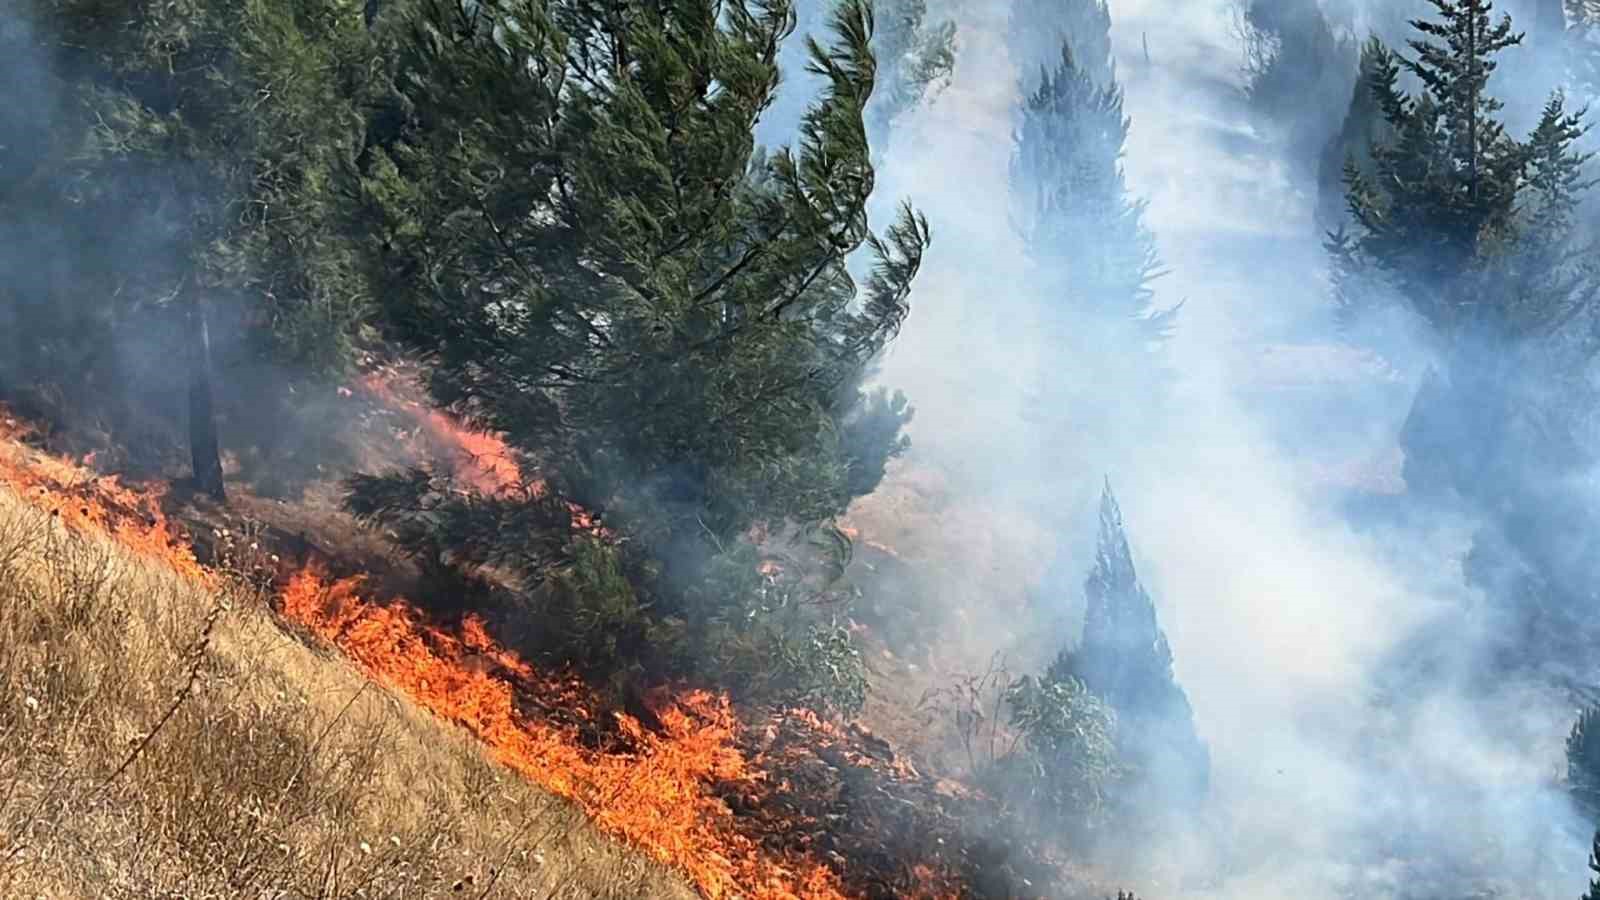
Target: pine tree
point(658, 316)
point(1124, 658)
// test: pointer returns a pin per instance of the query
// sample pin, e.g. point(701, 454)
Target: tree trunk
point(203, 448)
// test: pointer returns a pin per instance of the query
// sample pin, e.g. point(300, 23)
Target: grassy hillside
point(161, 739)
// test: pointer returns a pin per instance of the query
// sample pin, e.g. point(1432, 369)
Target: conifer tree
point(1583, 761)
point(1038, 29)
point(1594, 866)
point(1298, 70)
point(1093, 262)
point(1124, 658)
point(658, 316)
point(1072, 206)
point(1445, 188)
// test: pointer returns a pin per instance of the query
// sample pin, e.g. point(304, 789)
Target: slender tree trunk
point(203, 448)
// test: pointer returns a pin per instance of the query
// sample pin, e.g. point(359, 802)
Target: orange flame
point(483, 461)
point(87, 502)
point(654, 792)
point(660, 790)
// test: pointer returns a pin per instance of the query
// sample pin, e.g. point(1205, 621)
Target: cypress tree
point(1583, 761)
point(1072, 206)
point(1038, 29)
point(1092, 260)
point(1124, 658)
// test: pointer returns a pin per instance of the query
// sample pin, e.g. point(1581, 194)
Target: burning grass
point(162, 736)
point(651, 789)
point(791, 807)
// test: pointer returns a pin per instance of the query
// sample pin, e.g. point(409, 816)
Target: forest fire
point(742, 811)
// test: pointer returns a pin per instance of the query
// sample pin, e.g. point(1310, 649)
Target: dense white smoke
point(1342, 766)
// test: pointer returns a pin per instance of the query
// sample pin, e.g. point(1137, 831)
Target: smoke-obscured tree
point(1123, 657)
point(1473, 231)
point(1593, 893)
point(1038, 29)
point(193, 192)
point(915, 57)
point(1092, 259)
point(659, 318)
point(1583, 762)
point(1583, 46)
point(1364, 127)
point(1298, 70)
point(1445, 188)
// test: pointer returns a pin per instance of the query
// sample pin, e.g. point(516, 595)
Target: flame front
point(85, 501)
point(653, 790)
point(657, 790)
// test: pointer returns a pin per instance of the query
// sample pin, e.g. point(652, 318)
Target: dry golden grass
point(157, 741)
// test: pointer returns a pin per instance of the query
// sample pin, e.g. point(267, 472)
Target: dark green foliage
point(1583, 762)
point(1123, 658)
point(660, 318)
point(1444, 191)
point(1470, 226)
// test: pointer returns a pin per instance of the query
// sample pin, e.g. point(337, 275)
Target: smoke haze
point(1350, 756)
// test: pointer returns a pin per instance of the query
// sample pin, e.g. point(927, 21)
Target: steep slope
point(163, 736)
